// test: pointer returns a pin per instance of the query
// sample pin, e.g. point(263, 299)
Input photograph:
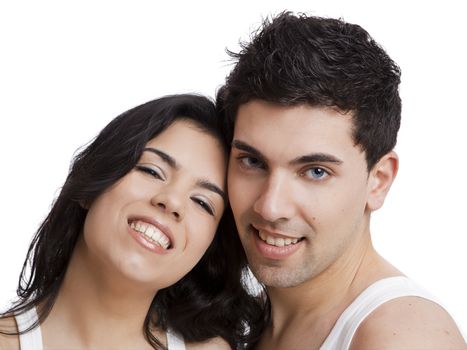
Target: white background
point(67, 68)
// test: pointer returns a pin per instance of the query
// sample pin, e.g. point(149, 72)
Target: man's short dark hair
point(300, 59)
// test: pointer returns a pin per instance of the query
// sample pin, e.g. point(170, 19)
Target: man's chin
point(277, 276)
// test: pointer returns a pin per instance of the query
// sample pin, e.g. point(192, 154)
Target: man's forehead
point(259, 117)
point(293, 131)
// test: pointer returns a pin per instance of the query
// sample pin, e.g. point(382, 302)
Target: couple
point(140, 249)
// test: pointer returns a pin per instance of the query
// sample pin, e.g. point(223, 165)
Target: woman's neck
point(97, 308)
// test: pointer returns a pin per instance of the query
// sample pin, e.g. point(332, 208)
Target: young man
point(316, 110)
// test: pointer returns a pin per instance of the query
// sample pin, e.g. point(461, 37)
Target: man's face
point(298, 187)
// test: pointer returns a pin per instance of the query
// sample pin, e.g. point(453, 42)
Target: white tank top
point(371, 298)
point(32, 340)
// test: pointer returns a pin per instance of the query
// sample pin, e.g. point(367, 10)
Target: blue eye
point(316, 173)
point(154, 172)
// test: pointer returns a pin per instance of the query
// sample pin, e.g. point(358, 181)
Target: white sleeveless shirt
point(371, 298)
point(32, 340)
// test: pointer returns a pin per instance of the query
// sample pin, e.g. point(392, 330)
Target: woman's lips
point(151, 234)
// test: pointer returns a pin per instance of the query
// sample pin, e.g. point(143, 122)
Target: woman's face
point(154, 225)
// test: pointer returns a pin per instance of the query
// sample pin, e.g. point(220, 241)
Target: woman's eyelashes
point(204, 205)
point(152, 170)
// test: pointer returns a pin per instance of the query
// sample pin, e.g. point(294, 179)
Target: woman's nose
point(171, 203)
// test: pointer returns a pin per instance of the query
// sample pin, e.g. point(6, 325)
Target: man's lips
point(279, 246)
point(274, 238)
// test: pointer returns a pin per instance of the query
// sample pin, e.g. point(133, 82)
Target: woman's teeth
point(278, 242)
point(151, 233)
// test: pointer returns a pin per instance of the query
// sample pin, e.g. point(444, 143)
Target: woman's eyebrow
point(164, 156)
point(208, 185)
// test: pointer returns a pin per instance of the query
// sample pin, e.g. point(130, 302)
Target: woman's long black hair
point(211, 300)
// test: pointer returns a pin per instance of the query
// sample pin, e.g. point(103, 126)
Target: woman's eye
point(154, 172)
point(250, 162)
point(205, 206)
point(316, 173)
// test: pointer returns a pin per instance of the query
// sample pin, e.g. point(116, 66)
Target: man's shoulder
point(408, 322)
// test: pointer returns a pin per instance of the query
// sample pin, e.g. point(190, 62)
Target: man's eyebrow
point(243, 146)
point(164, 156)
point(212, 187)
point(316, 158)
point(308, 158)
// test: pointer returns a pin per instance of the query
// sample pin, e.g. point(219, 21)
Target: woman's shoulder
point(210, 344)
point(8, 342)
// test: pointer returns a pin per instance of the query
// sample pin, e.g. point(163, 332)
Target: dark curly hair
point(300, 59)
point(211, 300)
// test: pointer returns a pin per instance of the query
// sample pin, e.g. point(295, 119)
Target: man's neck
point(317, 303)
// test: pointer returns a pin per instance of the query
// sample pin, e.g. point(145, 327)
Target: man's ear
point(380, 180)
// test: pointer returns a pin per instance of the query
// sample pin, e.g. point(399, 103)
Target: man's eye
point(206, 207)
point(315, 173)
point(154, 172)
point(250, 162)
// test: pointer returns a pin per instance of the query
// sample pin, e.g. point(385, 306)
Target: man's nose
point(275, 201)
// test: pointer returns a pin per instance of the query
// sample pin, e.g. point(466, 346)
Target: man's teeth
point(151, 233)
point(278, 242)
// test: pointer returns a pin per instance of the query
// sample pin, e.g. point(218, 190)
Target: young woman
point(118, 263)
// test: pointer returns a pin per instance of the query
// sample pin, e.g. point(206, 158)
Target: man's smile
point(273, 245)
